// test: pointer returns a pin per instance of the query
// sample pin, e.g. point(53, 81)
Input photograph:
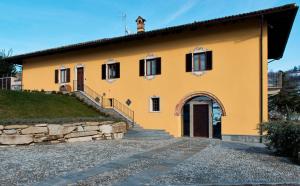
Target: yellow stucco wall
point(234, 80)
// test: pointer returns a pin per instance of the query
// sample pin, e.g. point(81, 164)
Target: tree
point(287, 101)
point(6, 68)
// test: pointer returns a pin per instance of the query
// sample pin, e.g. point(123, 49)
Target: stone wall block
point(106, 122)
point(80, 129)
point(80, 134)
point(34, 130)
point(1, 127)
point(91, 128)
point(16, 126)
point(119, 127)
point(16, 139)
point(118, 135)
point(106, 129)
point(94, 123)
point(10, 131)
point(55, 129)
point(41, 125)
point(68, 129)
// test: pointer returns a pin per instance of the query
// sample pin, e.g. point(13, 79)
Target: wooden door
point(201, 120)
point(80, 79)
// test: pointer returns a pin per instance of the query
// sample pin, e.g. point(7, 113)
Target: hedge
point(283, 137)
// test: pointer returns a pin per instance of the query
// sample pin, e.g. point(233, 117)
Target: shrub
point(283, 137)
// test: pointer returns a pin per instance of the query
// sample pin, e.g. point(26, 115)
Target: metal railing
point(107, 102)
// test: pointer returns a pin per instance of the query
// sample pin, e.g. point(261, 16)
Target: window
point(155, 104)
point(111, 71)
point(199, 62)
point(150, 67)
point(63, 75)
point(196, 62)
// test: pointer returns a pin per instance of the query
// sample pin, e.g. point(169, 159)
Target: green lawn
point(35, 105)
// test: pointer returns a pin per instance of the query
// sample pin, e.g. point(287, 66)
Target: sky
point(30, 25)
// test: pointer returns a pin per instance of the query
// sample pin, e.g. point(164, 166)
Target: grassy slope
point(24, 105)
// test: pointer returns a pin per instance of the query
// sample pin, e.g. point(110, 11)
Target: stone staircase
point(139, 133)
point(135, 131)
point(109, 111)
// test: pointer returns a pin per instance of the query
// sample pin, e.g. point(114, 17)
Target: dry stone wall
point(57, 133)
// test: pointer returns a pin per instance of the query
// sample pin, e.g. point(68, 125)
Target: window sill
point(111, 80)
point(154, 111)
point(199, 73)
point(149, 77)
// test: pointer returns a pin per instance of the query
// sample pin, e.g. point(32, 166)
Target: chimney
point(140, 24)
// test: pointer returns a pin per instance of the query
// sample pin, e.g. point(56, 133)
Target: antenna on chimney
point(124, 20)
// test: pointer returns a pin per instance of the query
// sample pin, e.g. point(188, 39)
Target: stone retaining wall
point(57, 133)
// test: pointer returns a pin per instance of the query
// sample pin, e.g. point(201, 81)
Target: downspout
point(261, 74)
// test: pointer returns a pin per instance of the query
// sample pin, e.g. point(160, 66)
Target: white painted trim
point(198, 50)
point(109, 62)
point(148, 57)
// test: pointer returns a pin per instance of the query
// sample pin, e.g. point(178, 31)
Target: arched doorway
point(201, 115)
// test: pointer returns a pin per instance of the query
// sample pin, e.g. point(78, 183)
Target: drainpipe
point(261, 74)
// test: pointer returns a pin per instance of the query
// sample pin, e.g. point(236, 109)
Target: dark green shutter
point(56, 76)
point(209, 60)
point(104, 71)
point(142, 67)
point(117, 70)
point(188, 62)
point(68, 75)
point(158, 65)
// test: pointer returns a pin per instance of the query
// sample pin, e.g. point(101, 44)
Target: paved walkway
point(138, 169)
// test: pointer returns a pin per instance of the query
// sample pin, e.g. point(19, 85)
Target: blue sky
point(30, 25)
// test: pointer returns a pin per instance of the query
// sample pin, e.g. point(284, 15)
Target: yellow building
point(206, 79)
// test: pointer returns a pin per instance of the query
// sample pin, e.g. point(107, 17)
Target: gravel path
point(232, 164)
point(146, 162)
point(25, 165)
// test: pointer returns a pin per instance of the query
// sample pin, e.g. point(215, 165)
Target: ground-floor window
point(155, 104)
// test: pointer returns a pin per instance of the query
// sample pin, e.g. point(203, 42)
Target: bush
point(283, 137)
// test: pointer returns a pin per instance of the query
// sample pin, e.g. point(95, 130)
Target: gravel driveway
point(145, 162)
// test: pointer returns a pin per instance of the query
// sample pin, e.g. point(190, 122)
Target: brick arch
point(179, 106)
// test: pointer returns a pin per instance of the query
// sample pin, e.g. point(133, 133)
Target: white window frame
point(108, 72)
point(198, 51)
point(151, 104)
point(149, 57)
point(109, 62)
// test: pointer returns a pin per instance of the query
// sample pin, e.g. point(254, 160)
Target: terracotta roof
point(280, 20)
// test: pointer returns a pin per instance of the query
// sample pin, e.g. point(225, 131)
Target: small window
point(63, 75)
point(155, 104)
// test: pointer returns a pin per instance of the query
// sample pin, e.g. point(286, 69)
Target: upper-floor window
point(62, 75)
point(199, 61)
point(150, 67)
point(111, 71)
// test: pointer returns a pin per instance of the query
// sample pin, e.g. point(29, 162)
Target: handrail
point(107, 102)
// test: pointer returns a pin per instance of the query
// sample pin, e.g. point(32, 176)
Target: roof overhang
point(280, 21)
